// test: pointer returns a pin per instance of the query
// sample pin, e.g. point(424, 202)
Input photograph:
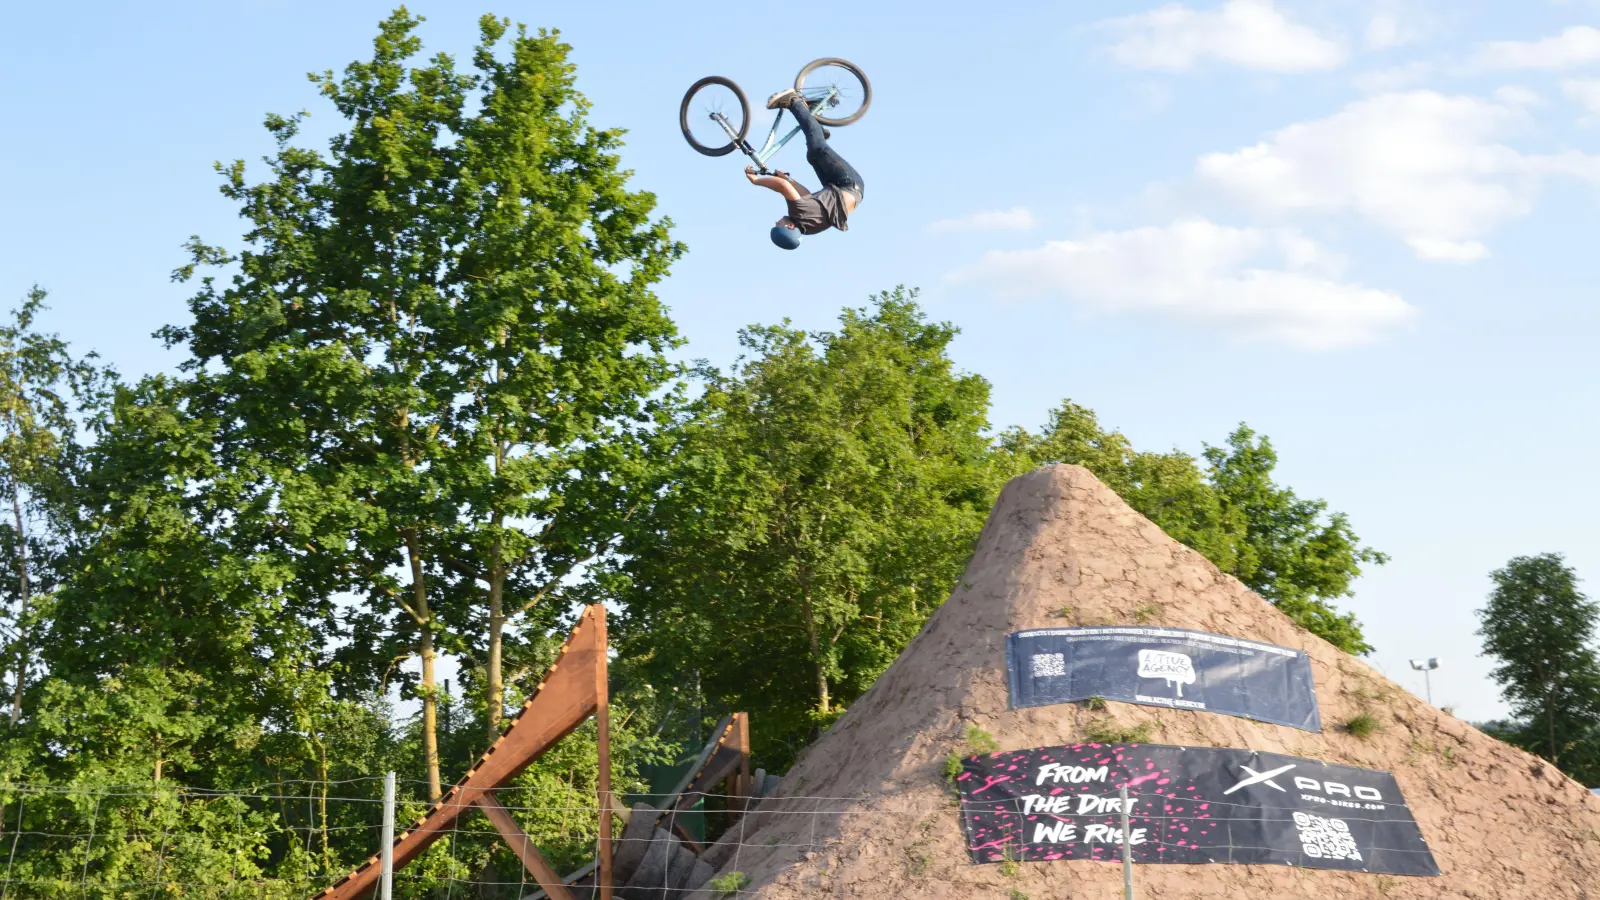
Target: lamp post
point(1426, 666)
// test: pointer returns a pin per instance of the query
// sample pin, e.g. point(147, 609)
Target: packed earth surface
point(868, 813)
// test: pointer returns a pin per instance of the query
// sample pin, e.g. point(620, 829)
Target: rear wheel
point(707, 98)
point(851, 91)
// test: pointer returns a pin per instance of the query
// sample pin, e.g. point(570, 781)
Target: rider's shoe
point(783, 98)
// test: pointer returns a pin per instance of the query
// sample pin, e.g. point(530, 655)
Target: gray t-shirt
point(820, 211)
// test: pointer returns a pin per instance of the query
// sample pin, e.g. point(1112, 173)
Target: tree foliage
point(436, 353)
point(1540, 630)
point(1288, 549)
point(822, 498)
point(42, 389)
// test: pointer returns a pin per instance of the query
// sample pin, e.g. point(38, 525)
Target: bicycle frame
point(773, 144)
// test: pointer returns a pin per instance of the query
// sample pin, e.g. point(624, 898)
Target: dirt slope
point(1501, 823)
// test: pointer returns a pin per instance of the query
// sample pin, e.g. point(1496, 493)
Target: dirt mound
point(1060, 549)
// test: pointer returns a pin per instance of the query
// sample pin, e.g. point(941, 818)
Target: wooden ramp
point(573, 690)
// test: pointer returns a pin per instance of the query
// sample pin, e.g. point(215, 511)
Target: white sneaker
point(782, 99)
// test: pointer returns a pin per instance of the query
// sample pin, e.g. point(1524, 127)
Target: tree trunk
point(495, 690)
point(818, 666)
point(22, 609)
point(430, 705)
point(1550, 721)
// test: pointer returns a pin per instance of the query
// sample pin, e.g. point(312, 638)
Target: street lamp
point(1425, 666)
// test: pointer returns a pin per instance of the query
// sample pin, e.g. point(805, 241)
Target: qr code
point(1049, 665)
point(1323, 838)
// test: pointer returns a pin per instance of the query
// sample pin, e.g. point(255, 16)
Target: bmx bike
point(715, 115)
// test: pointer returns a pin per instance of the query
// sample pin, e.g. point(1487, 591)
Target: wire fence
point(292, 839)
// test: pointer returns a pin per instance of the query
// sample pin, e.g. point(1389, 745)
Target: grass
point(918, 855)
point(1064, 612)
point(1363, 725)
point(731, 883)
point(1446, 753)
point(1148, 613)
point(1017, 894)
point(1008, 863)
point(976, 743)
point(1096, 703)
point(1110, 731)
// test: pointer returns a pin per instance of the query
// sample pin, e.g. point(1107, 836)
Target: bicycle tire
point(744, 115)
point(866, 88)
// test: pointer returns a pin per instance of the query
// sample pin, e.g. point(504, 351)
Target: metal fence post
point(1127, 850)
point(386, 852)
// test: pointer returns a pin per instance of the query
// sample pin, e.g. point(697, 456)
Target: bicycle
point(842, 82)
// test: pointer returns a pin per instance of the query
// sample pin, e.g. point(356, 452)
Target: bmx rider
point(811, 212)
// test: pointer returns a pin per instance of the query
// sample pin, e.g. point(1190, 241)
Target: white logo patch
point(1174, 667)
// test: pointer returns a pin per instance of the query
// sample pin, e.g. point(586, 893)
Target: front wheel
point(839, 93)
point(707, 99)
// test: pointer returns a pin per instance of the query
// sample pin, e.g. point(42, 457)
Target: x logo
point(1259, 777)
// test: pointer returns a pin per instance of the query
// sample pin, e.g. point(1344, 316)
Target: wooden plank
point(723, 764)
point(567, 879)
point(522, 847)
point(740, 785)
point(568, 696)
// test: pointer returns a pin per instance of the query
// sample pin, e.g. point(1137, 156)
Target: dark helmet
point(787, 238)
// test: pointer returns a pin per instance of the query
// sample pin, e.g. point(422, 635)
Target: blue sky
point(1363, 227)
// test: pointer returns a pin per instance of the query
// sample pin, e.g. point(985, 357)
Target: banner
point(1170, 667)
point(1187, 805)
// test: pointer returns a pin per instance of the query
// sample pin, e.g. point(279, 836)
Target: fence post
point(1127, 850)
point(386, 852)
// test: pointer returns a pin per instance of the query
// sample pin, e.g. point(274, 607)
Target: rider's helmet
point(787, 238)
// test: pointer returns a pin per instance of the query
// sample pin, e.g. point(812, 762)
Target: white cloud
point(1514, 96)
point(1395, 78)
point(1249, 33)
point(1583, 91)
point(1384, 31)
point(1196, 270)
point(1018, 218)
point(1576, 46)
point(1430, 169)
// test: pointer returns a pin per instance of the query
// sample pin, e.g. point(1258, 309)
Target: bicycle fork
point(742, 144)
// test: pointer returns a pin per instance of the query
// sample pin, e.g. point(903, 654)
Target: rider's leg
point(830, 167)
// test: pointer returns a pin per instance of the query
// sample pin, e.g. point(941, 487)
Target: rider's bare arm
point(790, 189)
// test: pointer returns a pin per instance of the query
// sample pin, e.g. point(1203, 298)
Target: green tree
point(1292, 551)
point(440, 351)
point(1288, 549)
point(42, 389)
point(822, 499)
point(1540, 629)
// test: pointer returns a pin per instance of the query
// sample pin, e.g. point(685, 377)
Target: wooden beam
point(522, 847)
point(724, 764)
point(741, 785)
point(569, 694)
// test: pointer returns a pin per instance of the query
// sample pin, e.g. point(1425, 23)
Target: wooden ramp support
point(726, 757)
point(573, 690)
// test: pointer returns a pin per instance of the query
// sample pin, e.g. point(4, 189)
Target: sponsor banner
point(1187, 805)
point(1170, 667)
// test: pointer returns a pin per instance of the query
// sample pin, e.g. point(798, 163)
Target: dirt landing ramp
point(1060, 549)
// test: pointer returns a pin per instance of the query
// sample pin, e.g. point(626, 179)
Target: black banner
point(1170, 667)
point(1187, 805)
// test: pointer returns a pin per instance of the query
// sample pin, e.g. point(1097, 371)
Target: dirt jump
point(868, 810)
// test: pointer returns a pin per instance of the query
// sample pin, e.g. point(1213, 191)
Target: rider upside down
point(810, 212)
